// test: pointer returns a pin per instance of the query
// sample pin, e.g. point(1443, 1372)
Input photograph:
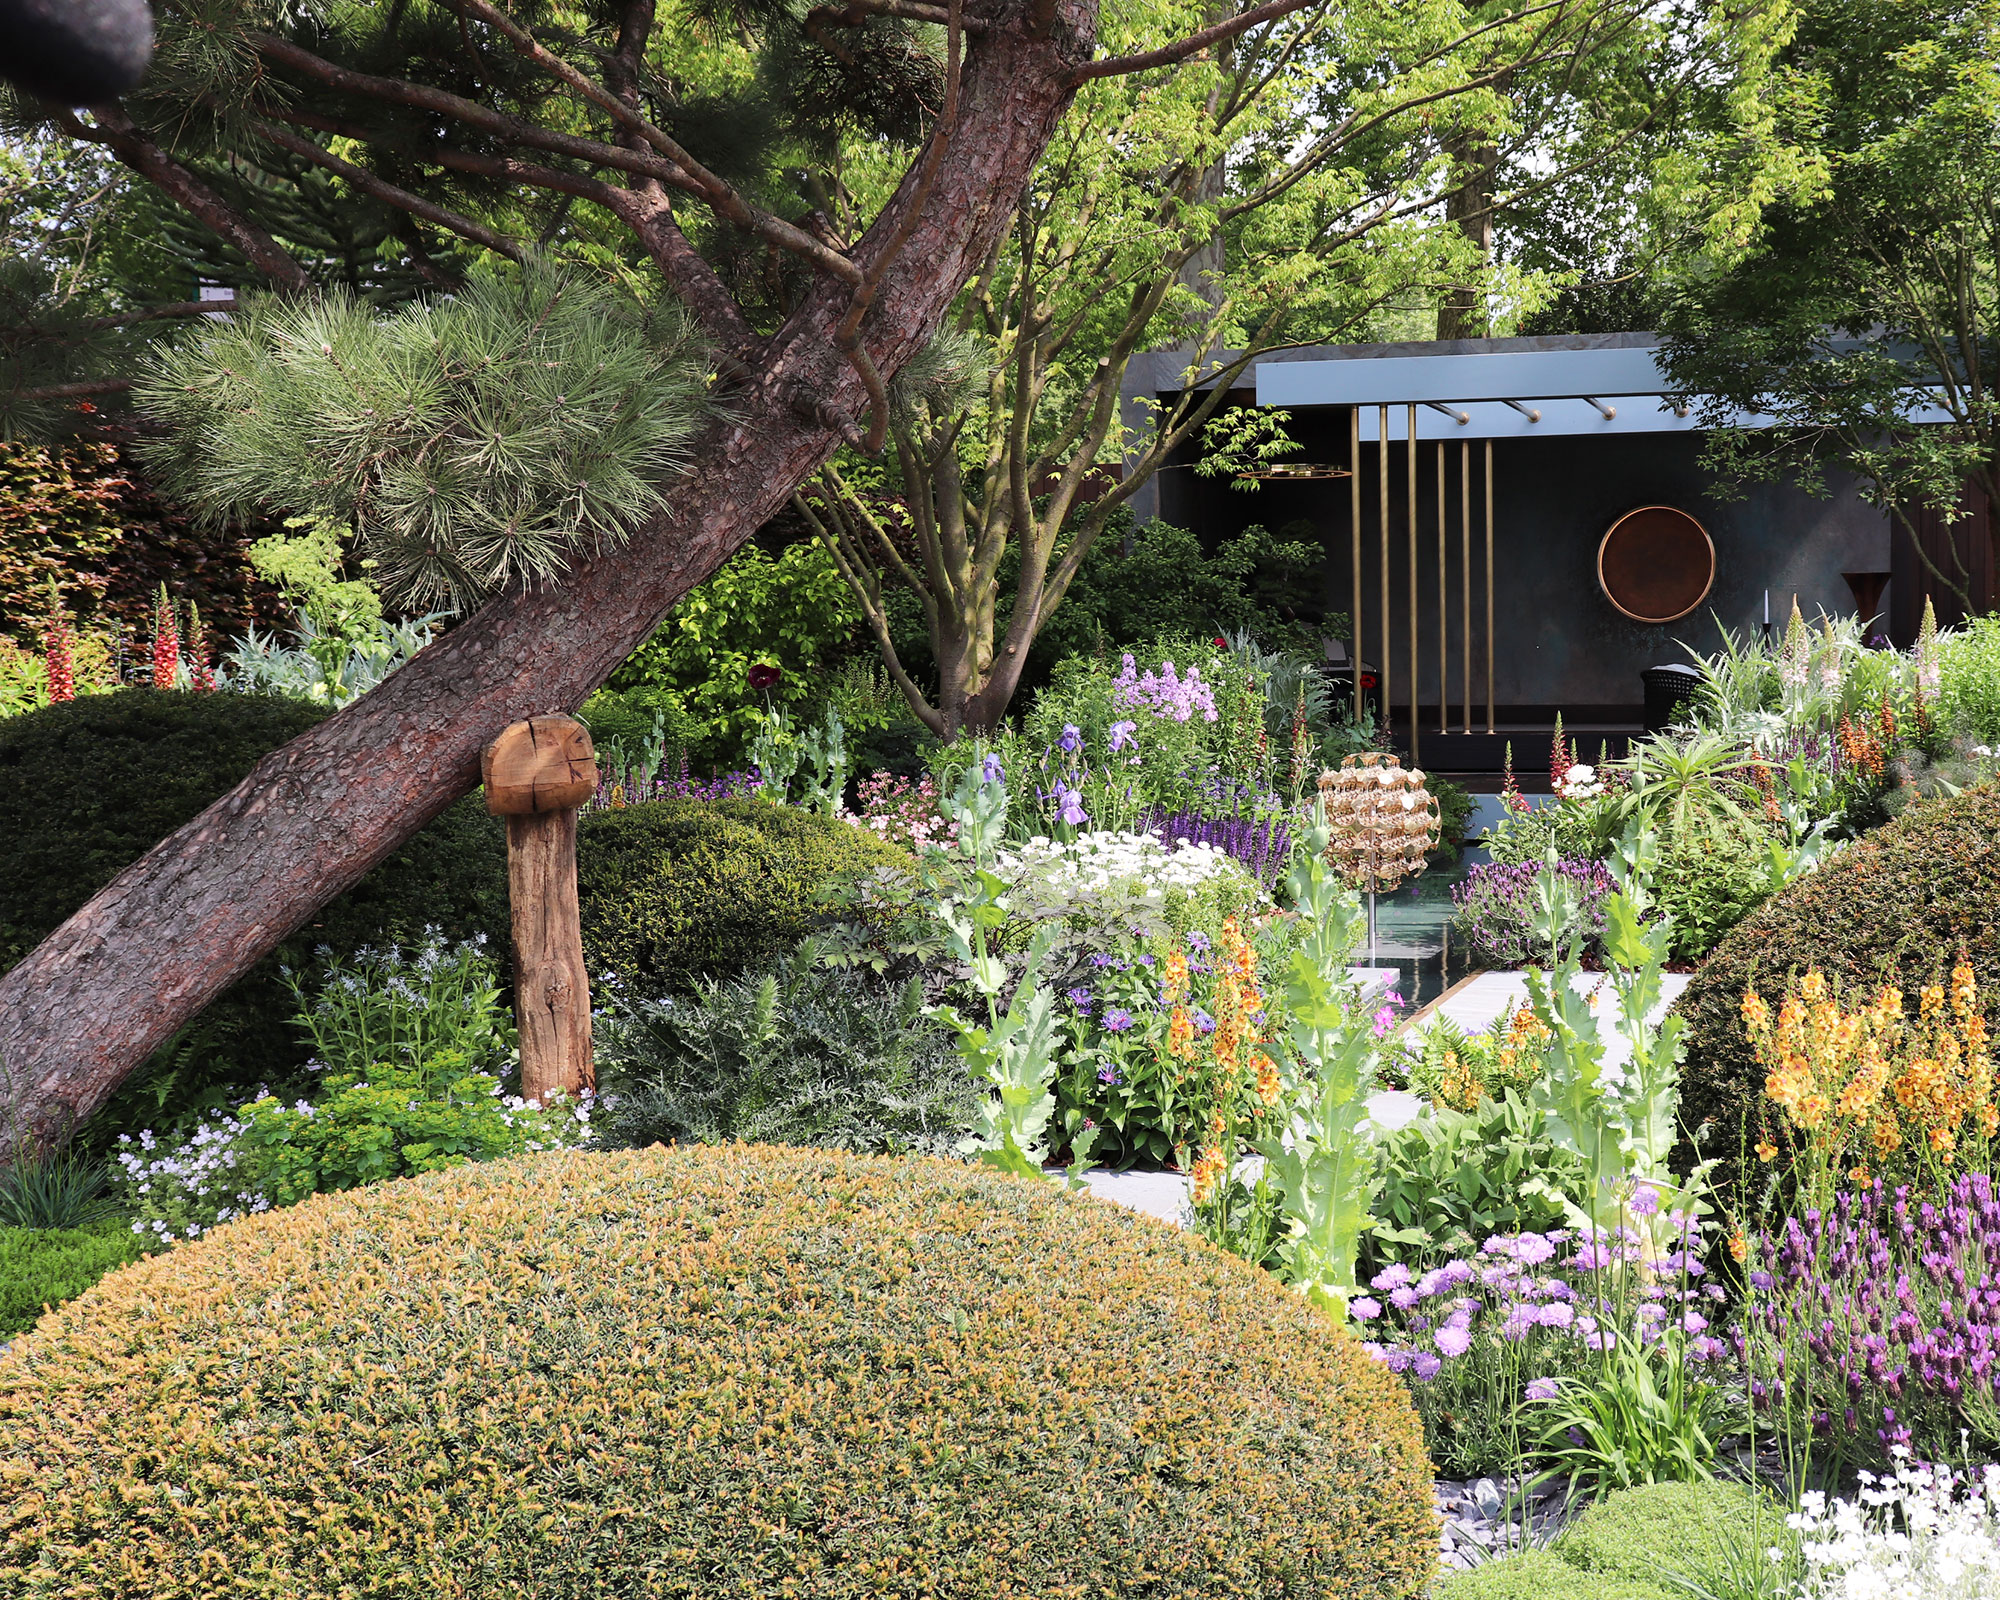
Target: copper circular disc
point(1656, 564)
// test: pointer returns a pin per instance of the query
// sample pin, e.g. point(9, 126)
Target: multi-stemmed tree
point(495, 132)
point(1282, 189)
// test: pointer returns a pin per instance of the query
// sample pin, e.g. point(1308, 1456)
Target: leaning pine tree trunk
point(107, 987)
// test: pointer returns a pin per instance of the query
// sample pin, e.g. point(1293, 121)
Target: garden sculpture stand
point(537, 773)
point(1384, 824)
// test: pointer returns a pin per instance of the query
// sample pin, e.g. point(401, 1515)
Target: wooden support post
point(537, 774)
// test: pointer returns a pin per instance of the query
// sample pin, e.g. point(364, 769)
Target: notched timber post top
point(543, 764)
point(537, 773)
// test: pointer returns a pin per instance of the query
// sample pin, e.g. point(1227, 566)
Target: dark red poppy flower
point(1367, 680)
point(1221, 643)
point(765, 676)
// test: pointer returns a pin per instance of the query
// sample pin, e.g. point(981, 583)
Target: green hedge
point(1900, 900)
point(678, 889)
point(701, 1372)
point(46, 1266)
point(99, 781)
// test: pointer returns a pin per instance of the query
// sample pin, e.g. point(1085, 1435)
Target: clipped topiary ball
point(97, 782)
point(1899, 900)
point(678, 889)
point(696, 1372)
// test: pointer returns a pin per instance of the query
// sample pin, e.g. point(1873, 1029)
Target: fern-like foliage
point(474, 442)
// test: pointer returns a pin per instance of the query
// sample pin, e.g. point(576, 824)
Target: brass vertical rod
point(1382, 440)
point(1411, 453)
point(1354, 523)
point(1444, 610)
point(1465, 564)
point(1489, 586)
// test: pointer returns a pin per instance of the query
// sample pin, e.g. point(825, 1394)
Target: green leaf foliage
point(1541, 1575)
point(46, 1266)
point(494, 437)
point(99, 781)
point(790, 611)
point(798, 1054)
point(704, 1372)
point(1898, 901)
point(675, 890)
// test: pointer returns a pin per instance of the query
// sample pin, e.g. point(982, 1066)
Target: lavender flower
point(1263, 847)
point(1496, 907)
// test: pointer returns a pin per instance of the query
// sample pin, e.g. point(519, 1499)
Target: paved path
point(1476, 1004)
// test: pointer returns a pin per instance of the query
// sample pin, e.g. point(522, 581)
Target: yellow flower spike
point(1766, 1151)
point(1930, 999)
point(1812, 986)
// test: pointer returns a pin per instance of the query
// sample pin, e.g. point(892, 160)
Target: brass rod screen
point(1354, 525)
point(1465, 566)
point(1410, 452)
point(1489, 586)
point(1382, 440)
point(1444, 610)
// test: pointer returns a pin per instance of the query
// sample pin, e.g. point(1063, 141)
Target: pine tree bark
point(183, 922)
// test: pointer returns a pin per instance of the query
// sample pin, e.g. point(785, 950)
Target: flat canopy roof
point(1489, 395)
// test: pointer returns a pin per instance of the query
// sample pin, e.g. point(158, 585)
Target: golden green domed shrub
point(699, 1372)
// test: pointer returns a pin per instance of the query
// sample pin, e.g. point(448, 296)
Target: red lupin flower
point(166, 643)
point(60, 657)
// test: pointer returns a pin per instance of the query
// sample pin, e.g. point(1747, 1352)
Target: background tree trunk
point(186, 920)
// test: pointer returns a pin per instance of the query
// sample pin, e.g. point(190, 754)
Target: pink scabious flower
point(1543, 1389)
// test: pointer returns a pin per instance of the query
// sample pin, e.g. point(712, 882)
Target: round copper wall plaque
point(1656, 564)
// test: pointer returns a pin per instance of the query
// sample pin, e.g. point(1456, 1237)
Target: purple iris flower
point(991, 771)
point(1071, 740)
point(1072, 813)
point(1121, 736)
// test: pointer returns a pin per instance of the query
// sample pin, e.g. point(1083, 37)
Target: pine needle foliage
point(474, 442)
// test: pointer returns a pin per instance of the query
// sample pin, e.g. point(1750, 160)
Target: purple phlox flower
point(1543, 1389)
point(1081, 998)
point(1117, 1020)
point(1364, 1308)
point(1121, 736)
point(1107, 1075)
point(1071, 740)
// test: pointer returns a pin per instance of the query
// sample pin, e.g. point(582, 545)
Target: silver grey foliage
point(476, 441)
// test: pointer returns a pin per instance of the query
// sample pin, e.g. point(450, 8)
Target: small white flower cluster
point(190, 1182)
point(1099, 861)
point(1580, 783)
point(1920, 1534)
